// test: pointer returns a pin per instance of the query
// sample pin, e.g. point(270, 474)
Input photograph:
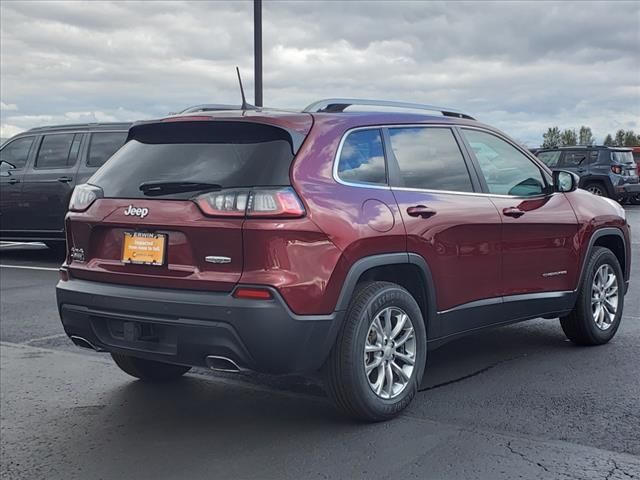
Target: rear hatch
point(167, 209)
point(624, 159)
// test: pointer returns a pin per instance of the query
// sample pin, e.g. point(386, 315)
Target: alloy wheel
point(596, 190)
point(604, 297)
point(390, 352)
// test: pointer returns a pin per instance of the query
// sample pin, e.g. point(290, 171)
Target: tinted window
point(229, 154)
point(575, 158)
point(55, 151)
point(550, 159)
point(506, 170)
point(16, 153)
point(362, 158)
point(103, 145)
point(429, 158)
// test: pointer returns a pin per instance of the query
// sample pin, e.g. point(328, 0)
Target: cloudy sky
point(519, 66)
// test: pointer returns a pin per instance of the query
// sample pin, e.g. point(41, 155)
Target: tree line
point(554, 137)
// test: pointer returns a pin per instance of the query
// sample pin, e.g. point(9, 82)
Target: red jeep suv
point(333, 240)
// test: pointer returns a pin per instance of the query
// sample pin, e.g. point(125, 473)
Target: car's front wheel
point(598, 310)
point(149, 370)
point(376, 365)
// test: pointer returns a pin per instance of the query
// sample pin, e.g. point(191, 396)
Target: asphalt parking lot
point(515, 402)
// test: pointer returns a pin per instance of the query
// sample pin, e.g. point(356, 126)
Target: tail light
point(262, 202)
point(617, 169)
point(83, 196)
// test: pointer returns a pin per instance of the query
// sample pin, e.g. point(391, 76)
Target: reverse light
point(83, 196)
point(252, 293)
point(262, 202)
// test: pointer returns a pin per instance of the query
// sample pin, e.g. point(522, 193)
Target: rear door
point(202, 251)
point(452, 226)
point(49, 181)
point(14, 157)
point(577, 161)
point(538, 226)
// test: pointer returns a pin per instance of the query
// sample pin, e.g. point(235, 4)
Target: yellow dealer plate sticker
point(144, 248)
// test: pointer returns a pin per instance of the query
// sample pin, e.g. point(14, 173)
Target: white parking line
point(24, 267)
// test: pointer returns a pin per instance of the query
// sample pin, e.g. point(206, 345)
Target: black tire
point(149, 370)
point(579, 326)
point(596, 188)
point(346, 380)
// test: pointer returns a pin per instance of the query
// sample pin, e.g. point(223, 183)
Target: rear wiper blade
point(166, 188)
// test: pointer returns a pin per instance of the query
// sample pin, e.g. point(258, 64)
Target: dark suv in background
point(346, 242)
point(39, 169)
point(604, 171)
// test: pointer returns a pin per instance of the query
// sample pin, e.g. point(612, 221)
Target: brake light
point(617, 169)
point(252, 293)
point(263, 202)
point(83, 196)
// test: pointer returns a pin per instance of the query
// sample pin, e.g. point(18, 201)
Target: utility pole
point(257, 51)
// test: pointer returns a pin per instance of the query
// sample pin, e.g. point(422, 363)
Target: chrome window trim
point(336, 160)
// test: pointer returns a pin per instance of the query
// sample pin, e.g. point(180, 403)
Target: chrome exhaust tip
point(84, 343)
point(222, 364)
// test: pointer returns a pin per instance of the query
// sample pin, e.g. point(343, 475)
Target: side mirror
point(564, 181)
point(5, 169)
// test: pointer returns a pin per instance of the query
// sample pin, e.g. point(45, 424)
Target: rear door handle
point(13, 181)
point(420, 211)
point(514, 212)
point(65, 179)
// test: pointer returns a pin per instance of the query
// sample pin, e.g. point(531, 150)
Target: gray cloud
point(520, 66)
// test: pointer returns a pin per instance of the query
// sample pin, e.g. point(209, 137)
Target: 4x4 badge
point(136, 211)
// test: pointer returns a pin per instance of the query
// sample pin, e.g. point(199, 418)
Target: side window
point(362, 158)
point(14, 155)
point(102, 145)
point(575, 158)
point(56, 150)
point(506, 170)
point(550, 159)
point(429, 158)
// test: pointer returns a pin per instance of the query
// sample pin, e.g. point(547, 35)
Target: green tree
point(619, 140)
point(551, 138)
point(585, 137)
point(631, 139)
point(569, 137)
point(608, 140)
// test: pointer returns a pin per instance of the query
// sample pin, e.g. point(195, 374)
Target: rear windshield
point(229, 154)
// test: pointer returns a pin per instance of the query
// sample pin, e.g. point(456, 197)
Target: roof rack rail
point(71, 126)
point(336, 105)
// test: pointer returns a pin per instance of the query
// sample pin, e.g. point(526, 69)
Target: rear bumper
point(184, 326)
point(630, 189)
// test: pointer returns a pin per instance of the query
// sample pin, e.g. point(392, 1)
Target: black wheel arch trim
point(599, 233)
point(366, 263)
point(603, 180)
